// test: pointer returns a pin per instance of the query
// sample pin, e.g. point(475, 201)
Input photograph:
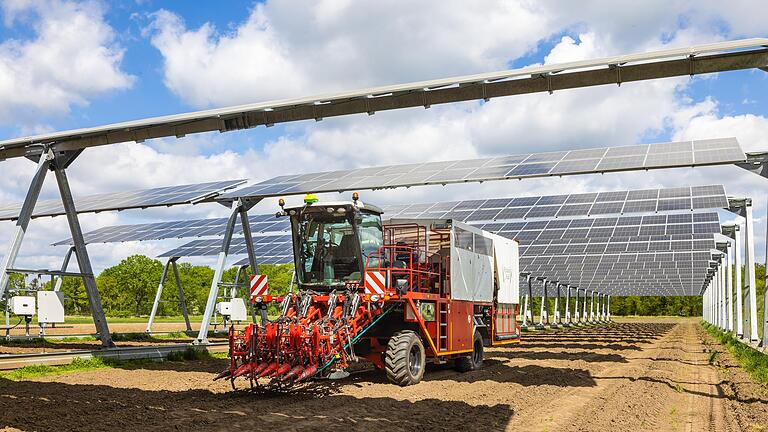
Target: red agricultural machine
point(397, 295)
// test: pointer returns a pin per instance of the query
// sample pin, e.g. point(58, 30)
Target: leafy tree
point(130, 284)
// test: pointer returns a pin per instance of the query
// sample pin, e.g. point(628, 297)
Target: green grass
point(78, 364)
point(751, 360)
point(86, 364)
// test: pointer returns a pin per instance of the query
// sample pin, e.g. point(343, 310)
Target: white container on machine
point(22, 305)
point(50, 307)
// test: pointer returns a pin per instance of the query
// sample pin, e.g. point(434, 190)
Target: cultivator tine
point(293, 373)
point(309, 372)
point(269, 369)
point(242, 370)
point(225, 373)
point(284, 369)
point(260, 368)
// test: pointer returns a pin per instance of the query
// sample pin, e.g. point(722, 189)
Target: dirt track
point(630, 376)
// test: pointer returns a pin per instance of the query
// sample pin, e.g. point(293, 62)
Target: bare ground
point(640, 376)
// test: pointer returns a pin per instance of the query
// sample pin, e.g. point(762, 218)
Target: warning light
point(310, 198)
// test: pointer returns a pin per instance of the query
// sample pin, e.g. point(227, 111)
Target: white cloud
point(71, 57)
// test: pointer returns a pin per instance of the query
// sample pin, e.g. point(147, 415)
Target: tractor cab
point(332, 242)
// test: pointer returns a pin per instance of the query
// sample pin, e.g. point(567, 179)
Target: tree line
point(128, 289)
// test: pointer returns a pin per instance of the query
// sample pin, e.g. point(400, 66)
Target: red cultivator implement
point(314, 335)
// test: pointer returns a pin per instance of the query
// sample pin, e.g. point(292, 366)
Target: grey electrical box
point(50, 307)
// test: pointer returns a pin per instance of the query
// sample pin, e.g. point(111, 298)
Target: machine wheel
point(404, 360)
point(474, 361)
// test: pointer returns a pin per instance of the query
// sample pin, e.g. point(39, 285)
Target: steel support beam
point(543, 315)
point(568, 304)
point(213, 293)
point(159, 294)
point(584, 316)
point(182, 299)
point(556, 314)
point(25, 215)
point(251, 260)
point(729, 286)
point(737, 249)
point(81, 253)
point(242, 117)
point(576, 310)
point(528, 315)
point(765, 297)
point(64, 265)
point(591, 307)
point(608, 308)
point(749, 255)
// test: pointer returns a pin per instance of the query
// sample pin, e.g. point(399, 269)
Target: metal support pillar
point(592, 307)
point(608, 308)
point(210, 305)
point(251, 258)
point(737, 269)
point(64, 265)
point(158, 294)
point(557, 305)
point(182, 300)
point(765, 297)
point(718, 298)
point(602, 309)
point(81, 253)
point(723, 298)
point(25, 215)
point(584, 307)
point(528, 315)
point(729, 286)
point(576, 313)
point(568, 304)
point(543, 317)
point(749, 255)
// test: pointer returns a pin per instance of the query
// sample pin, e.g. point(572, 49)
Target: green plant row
point(751, 360)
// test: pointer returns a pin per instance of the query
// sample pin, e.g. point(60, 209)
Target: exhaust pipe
point(271, 368)
point(225, 373)
point(292, 373)
point(310, 371)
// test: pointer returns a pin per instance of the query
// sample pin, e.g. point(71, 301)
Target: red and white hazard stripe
point(375, 283)
point(259, 286)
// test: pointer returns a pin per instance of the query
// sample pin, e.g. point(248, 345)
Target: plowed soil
point(638, 376)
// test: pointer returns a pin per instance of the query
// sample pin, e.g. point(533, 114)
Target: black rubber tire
point(475, 360)
point(405, 359)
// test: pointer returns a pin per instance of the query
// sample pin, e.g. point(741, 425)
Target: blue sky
point(134, 59)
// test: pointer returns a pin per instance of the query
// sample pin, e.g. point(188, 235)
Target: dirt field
point(639, 376)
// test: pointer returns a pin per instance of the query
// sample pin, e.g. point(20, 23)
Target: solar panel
point(268, 248)
point(259, 224)
point(647, 156)
point(474, 211)
point(155, 197)
point(584, 204)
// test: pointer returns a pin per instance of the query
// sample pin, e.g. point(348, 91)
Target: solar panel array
point(635, 157)
point(155, 197)
point(269, 249)
point(180, 229)
point(656, 273)
point(574, 205)
point(473, 211)
point(563, 231)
